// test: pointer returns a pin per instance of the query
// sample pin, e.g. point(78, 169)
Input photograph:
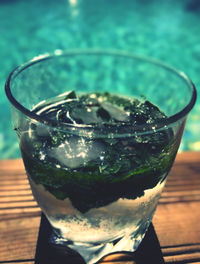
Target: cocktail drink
point(98, 133)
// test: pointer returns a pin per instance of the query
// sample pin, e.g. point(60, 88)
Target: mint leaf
point(71, 95)
point(101, 112)
point(125, 166)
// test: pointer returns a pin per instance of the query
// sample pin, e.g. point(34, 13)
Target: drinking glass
point(98, 184)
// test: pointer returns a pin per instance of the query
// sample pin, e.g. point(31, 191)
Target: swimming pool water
point(165, 29)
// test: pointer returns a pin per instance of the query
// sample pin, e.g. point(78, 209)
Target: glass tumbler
point(98, 183)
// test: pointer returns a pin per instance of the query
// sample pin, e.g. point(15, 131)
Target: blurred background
point(168, 30)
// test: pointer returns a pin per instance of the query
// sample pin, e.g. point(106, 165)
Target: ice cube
point(42, 130)
point(116, 112)
point(77, 151)
point(86, 114)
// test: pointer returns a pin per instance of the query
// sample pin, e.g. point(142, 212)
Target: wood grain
point(18, 262)
point(177, 218)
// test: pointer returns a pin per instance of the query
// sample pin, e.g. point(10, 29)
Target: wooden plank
point(18, 204)
point(17, 164)
point(18, 211)
point(15, 180)
point(17, 215)
point(18, 262)
point(184, 258)
point(181, 249)
point(18, 238)
point(183, 199)
point(188, 157)
point(8, 199)
point(5, 188)
point(16, 193)
point(177, 224)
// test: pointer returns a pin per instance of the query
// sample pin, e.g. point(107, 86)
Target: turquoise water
point(165, 29)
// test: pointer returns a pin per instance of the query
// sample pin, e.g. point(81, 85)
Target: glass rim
point(120, 53)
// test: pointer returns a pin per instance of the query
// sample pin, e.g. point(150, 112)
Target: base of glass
point(93, 252)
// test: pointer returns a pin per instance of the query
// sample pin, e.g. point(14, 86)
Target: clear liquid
point(107, 223)
point(99, 194)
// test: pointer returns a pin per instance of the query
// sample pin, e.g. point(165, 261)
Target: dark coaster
point(46, 253)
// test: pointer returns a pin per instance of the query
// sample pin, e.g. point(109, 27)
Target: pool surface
point(168, 30)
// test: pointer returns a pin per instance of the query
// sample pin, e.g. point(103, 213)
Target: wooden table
point(176, 221)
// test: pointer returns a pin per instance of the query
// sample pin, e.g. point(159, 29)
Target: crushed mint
point(93, 172)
